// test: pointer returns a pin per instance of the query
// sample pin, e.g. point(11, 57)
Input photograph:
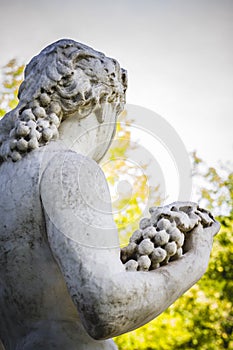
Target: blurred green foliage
point(11, 76)
point(128, 206)
point(203, 317)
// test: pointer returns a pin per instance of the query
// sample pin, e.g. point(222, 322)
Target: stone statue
point(64, 283)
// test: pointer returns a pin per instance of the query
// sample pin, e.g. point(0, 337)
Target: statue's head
point(66, 78)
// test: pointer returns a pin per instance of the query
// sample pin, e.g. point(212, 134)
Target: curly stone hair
point(66, 77)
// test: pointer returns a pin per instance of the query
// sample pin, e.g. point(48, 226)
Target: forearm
point(130, 299)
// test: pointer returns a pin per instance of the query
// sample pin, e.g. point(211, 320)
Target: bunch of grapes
point(160, 239)
point(150, 246)
point(37, 124)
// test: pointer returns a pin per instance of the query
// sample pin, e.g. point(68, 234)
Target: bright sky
point(178, 53)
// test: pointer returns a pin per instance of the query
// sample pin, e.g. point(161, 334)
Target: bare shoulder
point(72, 170)
point(75, 194)
point(67, 158)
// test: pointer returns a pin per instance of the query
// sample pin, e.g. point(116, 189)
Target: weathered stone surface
point(62, 282)
point(164, 236)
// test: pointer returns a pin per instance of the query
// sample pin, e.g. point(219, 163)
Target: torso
point(36, 310)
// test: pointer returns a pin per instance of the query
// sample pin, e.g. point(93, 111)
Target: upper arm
point(79, 223)
point(76, 199)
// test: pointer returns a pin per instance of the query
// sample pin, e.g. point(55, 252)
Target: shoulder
point(72, 170)
point(76, 200)
point(74, 186)
point(65, 162)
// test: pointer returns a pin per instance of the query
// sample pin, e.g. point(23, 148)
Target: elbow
point(98, 332)
point(102, 314)
point(99, 322)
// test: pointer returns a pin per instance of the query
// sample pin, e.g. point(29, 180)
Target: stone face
point(62, 282)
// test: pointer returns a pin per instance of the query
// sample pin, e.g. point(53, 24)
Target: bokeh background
point(178, 55)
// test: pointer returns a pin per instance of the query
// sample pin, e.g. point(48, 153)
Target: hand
point(198, 224)
point(201, 237)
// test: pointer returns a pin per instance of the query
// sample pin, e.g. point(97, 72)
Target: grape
point(128, 251)
point(178, 254)
point(44, 99)
point(149, 232)
point(47, 134)
point(28, 115)
point(161, 238)
point(145, 222)
point(180, 241)
point(144, 263)
point(136, 236)
point(131, 265)
point(163, 224)
point(158, 255)
point(177, 236)
point(22, 129)
point(33, 143)
point(22, 145)
point(145, 247)
point(39, 112)
point(171, 248)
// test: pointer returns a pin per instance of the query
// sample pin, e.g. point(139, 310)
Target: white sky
point(178, 53)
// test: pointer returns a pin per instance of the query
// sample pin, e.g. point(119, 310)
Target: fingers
point(215, 227)
point(201, 237)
